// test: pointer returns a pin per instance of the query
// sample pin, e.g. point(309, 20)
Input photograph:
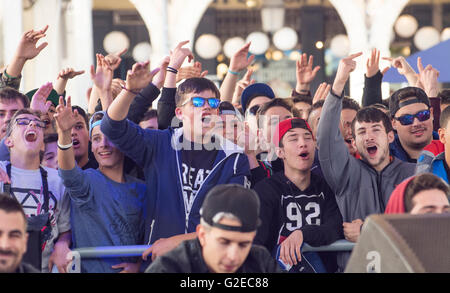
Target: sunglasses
point(27, 121)
point(408, 119)
point(200, 102)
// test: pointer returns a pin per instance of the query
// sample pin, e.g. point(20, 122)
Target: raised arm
point(26, 50)
point(333, 153)
point(137, 78)
point(241, 85)
point(63, 77)
point(373, 78)
point(177, 57)
point(238, 62)
point(305, 74)
point(65, 120)
point(102, 79)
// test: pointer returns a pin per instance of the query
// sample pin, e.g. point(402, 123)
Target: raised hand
point(373, 62)
point(27, 47)
point(103, 75)
point(139, 76)
point(114, 60)
point(322, 92)
point(158, 80)
point(191, 71)
point(39, 101)
point(240, 59)
point(242, 84)
point(69, 73)
point(428, 78)
point(65, 118)
point(305, 73)
point(401, 65)
point(346, 66)
point(116, 86)
point(178, 55)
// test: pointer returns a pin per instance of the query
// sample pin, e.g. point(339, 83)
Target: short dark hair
point(350, 104)
point(195, 85)
point(372, 115)
point(83, 114)
point(302, 99)
point(49, 138)
point(9, 204)
point(444, 95)
point(445, 116)
point(11, 123)
point(10, 94)
point(420, 183)
point(151, 113)
point(317, 105)
point(276, 102)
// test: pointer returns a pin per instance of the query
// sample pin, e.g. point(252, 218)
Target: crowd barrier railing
point(78, 254)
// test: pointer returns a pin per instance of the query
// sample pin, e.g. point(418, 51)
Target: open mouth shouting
point(372, 151)
point(304, 155)
point(76, 143)
point(31, 135)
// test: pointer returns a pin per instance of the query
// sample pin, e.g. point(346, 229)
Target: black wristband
point(171, 69)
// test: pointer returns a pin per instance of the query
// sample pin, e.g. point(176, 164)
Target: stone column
point(369, 24)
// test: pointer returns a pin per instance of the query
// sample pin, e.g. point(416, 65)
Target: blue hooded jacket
point(158, 153)
point(396, 149)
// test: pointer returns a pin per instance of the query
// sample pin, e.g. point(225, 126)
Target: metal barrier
point(132, 251)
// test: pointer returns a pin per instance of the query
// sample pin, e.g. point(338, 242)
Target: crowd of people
point(215, 179)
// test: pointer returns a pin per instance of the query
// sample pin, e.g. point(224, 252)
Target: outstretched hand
point(179, 54)
point(373, 64)
point(322, 92)
point(428, 78)
point(65, 117)
point(69, 73)
point(103, 75)
point(346, 66)
point(115, 59)
point(305, 73)
point(27, 46)
point(139, 76)
point(240, 60)
point(39, 101)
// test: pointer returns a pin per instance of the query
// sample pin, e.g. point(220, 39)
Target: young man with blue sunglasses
point(180, 165)
point(412, 118)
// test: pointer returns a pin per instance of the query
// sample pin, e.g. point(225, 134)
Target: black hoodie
point(285, 208)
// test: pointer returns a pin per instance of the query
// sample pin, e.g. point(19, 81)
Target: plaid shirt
point(10, 81)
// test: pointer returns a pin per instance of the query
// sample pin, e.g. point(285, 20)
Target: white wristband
point(64, 147)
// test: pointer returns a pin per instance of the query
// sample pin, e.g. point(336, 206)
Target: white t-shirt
point(27, 188)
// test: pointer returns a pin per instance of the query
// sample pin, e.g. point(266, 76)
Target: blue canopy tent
point(438, 56)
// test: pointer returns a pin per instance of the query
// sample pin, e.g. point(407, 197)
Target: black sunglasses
point(408, 119)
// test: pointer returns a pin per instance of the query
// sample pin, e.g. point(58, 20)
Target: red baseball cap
point(286, 125)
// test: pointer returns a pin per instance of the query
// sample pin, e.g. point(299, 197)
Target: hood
point(396, 204)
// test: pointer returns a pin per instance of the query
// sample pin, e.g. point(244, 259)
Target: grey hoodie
point(360, 190)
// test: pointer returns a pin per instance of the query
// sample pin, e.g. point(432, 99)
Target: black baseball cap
point(241, 202)
point(416, 95)
point(255, 90)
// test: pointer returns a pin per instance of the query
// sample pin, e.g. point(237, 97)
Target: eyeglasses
point(253, 110)
point(408, 119)
point(200, 102)
point(27, 121)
